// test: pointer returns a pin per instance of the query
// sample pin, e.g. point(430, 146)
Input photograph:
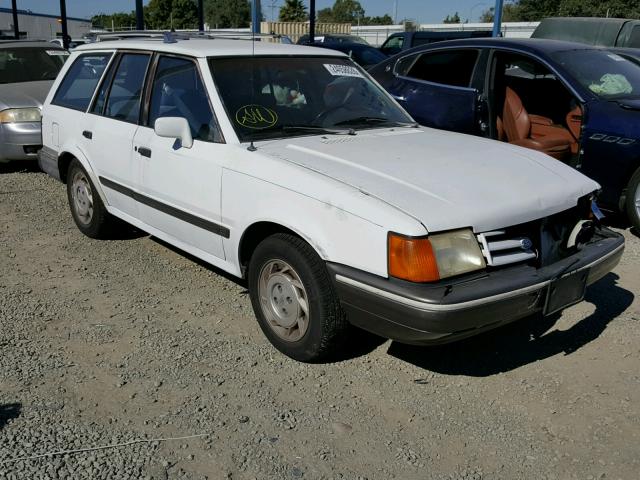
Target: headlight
point(431, 258)
point(17, 115)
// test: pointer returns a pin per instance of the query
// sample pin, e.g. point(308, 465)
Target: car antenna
point(252, 147)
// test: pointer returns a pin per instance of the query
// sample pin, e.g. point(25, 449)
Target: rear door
point(436, 88)
point(112, 123)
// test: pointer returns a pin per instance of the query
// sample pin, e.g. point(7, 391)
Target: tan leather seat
point(533, 131)
point(574, 122)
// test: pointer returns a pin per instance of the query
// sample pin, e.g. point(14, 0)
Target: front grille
point(539, 243)
point(499, 248)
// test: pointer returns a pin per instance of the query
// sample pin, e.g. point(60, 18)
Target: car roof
point(29, 44)
point(534, 45)
point(211, 47)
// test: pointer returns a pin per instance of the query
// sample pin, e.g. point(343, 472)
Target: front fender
point(336, 235)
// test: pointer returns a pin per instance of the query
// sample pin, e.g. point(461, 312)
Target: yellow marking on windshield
point(256, 116)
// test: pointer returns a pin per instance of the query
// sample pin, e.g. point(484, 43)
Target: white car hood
point(444, 180)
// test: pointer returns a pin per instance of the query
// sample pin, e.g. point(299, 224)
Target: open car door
point(435, 88)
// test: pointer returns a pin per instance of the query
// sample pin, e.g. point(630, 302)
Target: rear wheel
point(294, 299)
point(633, 200)
point(88, 211)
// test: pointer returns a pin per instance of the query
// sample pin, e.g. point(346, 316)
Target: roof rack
point(172, 37)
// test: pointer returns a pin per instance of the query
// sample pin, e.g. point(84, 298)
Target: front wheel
point(294, 299)
point(633, 200)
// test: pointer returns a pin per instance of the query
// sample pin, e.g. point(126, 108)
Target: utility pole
point(63, 20)
point(139, 15)
point(497, 18)
point(273, 7)
point(16, 28)
point(201, 15)
point(312, 21)
point(256, 16)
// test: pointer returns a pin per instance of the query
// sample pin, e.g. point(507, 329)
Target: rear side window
point(393, 45)
point(77, 87)
point(126, 89)
point(634, 39)
point(178, 91)
point(453, 68)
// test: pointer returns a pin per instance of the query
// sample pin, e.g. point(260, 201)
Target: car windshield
point(606, 74)
point(269, 97)
point(27, 64)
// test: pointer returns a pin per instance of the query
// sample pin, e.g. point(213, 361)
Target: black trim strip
point(168, 209)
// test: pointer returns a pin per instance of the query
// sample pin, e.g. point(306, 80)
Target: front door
point(435, 88)
point(180, 187)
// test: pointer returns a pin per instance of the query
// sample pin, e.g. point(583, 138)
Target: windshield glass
point(26, 64)
point(604, 73)
point(274, 97)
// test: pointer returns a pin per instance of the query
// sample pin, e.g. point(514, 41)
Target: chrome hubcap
point(637, 200)
point(82, 198)
point(283, 299)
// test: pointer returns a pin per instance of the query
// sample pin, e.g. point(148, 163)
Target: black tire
point(327, 327)
point(100, 223)
point(633, 194)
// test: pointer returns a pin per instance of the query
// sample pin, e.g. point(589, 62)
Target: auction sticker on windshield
point(342, 70)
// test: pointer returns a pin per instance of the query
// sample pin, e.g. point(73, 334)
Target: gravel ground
point(109, 342)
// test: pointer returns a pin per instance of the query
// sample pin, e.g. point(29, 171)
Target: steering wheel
point(322, 116)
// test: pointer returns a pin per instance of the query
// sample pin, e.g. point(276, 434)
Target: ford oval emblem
point(526, 244)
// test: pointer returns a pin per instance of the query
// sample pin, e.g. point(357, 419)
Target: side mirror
point(174, 127)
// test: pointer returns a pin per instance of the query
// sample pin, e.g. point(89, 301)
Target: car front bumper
point(426, 314)
point(20, 141)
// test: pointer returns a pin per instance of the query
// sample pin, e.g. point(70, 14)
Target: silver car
point(27, 71)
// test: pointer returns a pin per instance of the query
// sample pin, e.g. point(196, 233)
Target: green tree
point(383, 20)
point(509, 14)
point(227, 13)
point(165, 14)
point(534, 10)
point(325, 15)
point(347, 11)
point(455, 18)
point(343, 11)
point(293, 11)
point(118, 20)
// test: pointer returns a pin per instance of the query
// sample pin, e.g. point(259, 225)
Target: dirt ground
point(110, 342)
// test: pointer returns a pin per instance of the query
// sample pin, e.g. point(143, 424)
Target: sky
point(423, 11)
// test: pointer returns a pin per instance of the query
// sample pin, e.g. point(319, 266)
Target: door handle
point(87, 134)
point(144, 151)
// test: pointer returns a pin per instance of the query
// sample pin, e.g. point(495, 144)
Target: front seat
point(533, 131)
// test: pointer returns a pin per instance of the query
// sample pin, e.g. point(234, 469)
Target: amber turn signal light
point(412, 259)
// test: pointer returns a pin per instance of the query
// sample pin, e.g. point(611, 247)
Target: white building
point(40, 26)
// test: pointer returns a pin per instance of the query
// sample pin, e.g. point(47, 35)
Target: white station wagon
point(290, 167)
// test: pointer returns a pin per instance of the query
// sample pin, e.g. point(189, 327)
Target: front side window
point(454, 68)
point(126, 89)
point(77, 88)
point(605, 74)
point(178, 91)
point(27, 64)
point(277, 97)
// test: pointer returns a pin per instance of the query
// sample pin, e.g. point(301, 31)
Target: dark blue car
point(577, 103)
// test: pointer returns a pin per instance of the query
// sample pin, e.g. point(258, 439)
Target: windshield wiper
point(376, 120)
point(311, 128)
